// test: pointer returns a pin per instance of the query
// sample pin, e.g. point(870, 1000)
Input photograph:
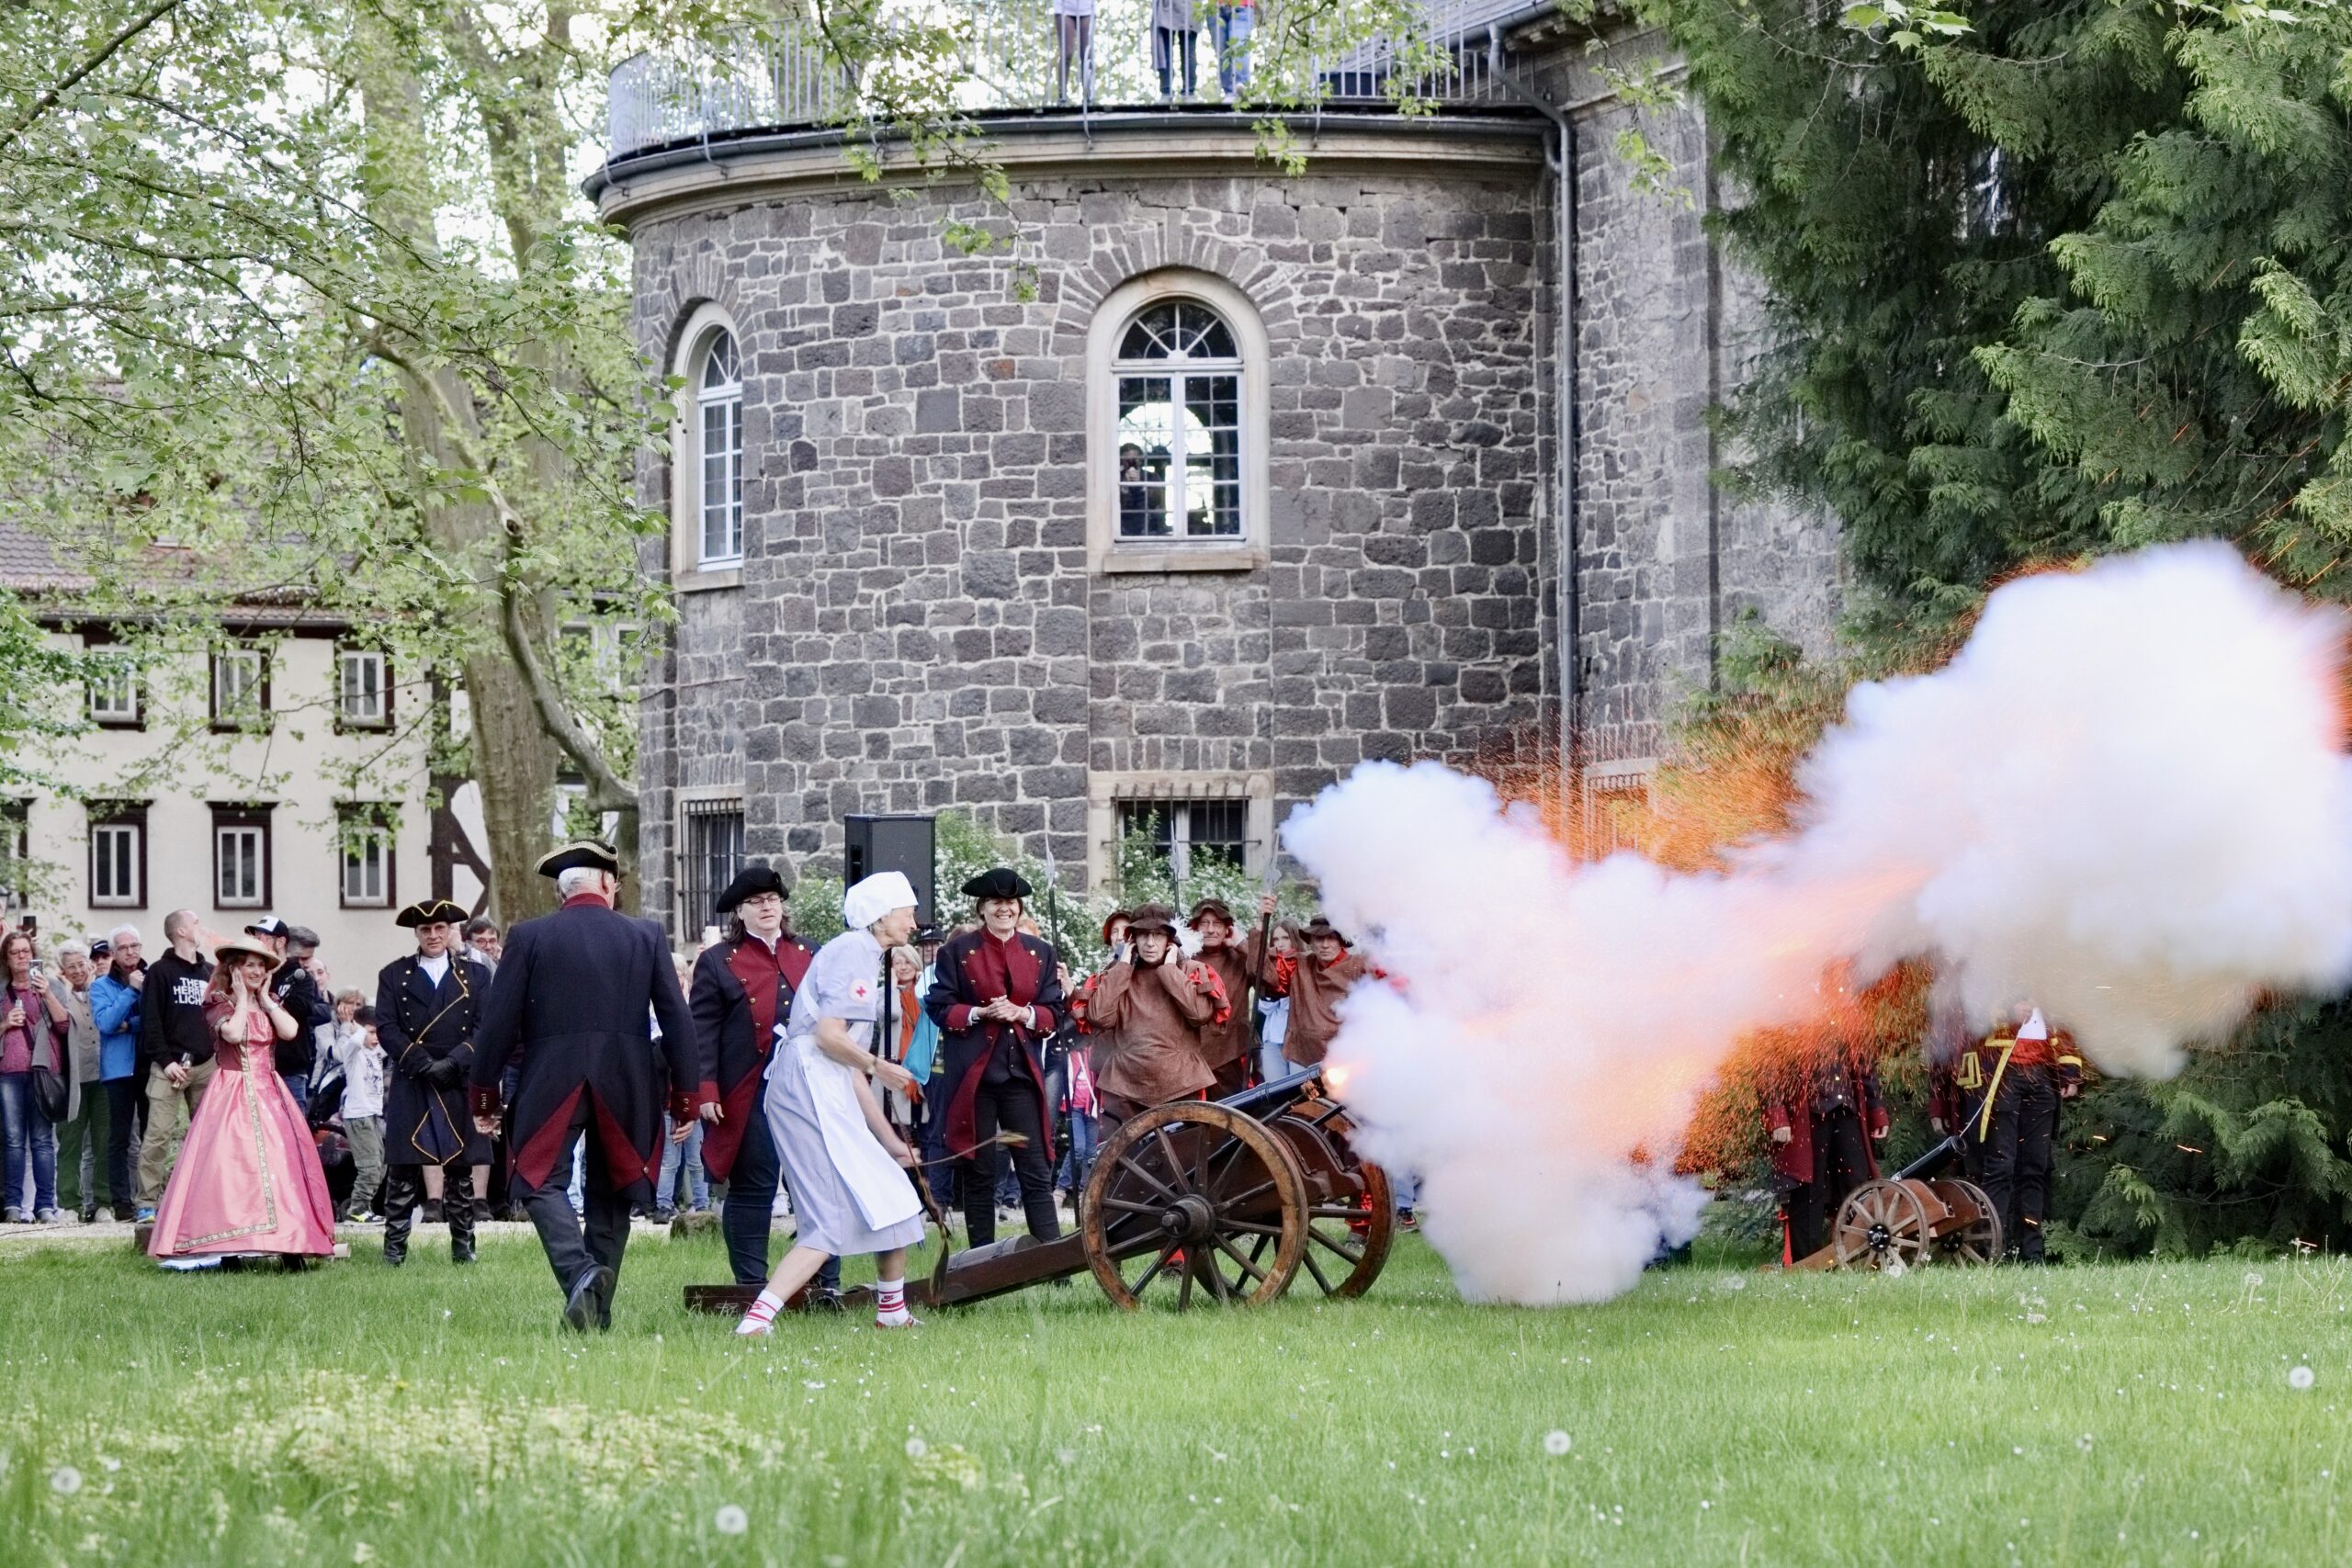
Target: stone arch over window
point(1176, 384)
point(707, 455)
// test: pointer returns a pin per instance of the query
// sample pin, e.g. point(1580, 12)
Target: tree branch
point(113, 46)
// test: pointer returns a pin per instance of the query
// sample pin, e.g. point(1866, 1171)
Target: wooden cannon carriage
point(1227, 1201)
point(1915, 1216)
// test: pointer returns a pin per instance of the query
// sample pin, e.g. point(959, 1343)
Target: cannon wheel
point(1976, 1236)
point(1882, 1223)
point(1351, 1210)
point(1179, 1197)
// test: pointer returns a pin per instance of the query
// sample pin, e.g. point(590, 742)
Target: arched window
point(1179, 424)
point(718, 498)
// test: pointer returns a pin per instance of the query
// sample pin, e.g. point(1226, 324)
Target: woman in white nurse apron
point(844, 1167)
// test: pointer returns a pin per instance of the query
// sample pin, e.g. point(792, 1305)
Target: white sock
point(890, 1303)
point(761, 1317)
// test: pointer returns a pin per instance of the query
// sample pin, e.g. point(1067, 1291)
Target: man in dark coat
point(428, 1009)
point(744, 987)
point(1822, 1137)
point(577, 993)
point(297, 991)
point(996, 995)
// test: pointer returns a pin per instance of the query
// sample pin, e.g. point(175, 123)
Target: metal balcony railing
point(786, 79)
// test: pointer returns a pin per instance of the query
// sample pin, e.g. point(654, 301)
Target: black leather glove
point(445, 1074)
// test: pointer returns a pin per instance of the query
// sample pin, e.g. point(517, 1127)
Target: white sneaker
point(53, 1216)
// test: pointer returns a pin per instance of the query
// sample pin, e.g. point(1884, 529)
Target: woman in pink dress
point(248, 1180)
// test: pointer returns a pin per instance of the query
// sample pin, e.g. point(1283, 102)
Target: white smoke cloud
point(2126, 800)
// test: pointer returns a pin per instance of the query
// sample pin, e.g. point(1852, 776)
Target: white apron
point(878, 1184)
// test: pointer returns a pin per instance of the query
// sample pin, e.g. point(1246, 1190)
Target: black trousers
point(2017, 1155)
point(1840, 1164)
point(571, 1248)
point(748, 1212)
point(1012, 1107)
point(404, 1190)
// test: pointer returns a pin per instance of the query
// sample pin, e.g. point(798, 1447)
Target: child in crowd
point(361, 1057)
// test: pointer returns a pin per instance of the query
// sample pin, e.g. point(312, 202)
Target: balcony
point(998, 59)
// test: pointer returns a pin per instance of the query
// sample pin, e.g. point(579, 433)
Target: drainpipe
point(1560, 157)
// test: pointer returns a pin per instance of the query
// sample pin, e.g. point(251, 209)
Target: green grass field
point(2129, 1414)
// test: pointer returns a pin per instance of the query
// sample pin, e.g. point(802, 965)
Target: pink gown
point(248, 1179)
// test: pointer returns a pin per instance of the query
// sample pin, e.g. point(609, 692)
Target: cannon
point(1915, 1216)
point(1223, 1200)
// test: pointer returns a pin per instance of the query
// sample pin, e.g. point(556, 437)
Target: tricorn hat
point(1002, 882)
point(1318, 926)
point(594, 853)
point(1152, 918)
point(1218, 906)
point(231, 949)
point(751, 883)
point(431, 912)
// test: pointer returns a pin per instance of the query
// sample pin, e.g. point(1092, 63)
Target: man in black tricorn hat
point(744, 987)
point(996, 996)
point(576, 993)
point(428, 1011)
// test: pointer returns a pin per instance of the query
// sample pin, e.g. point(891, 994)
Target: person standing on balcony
point(1074, 39)
point(1173, 29)
point(1230, 31)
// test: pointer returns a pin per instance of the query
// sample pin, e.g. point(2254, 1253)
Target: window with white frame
point(366, 835)
point(1188, 833)
point(718, 449)
point(240, 858)
point(1179, 372)
point(113, 686)
point(240, 688)
point(119, 858)
point(362, 688)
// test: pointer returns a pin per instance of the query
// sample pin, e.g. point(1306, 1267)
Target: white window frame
point(225, 711)
point(365, 849)
point(240, 846)
point(113, 677)
point(690, 568)
point(379, 714)
point(129, 834)
point(1107, 550)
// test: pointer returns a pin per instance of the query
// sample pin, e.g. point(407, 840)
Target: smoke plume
point(2126, 801)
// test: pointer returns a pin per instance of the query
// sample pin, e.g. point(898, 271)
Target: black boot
point(403, 1186)
point(460, 1210)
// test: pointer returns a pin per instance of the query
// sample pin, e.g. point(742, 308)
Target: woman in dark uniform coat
point(996, 997)
point(744, 987)
point(429, 1007)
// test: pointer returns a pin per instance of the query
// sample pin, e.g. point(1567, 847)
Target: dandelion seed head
point(1556, 1443)
point(917, 1448)
point(730, 1520)
point(65, 1481)
point(2302, 1378)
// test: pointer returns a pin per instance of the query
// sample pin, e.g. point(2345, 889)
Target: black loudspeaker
point(893, 841)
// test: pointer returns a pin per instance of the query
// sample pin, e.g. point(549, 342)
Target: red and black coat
point(742, 991)
point(422, 1026)
point(971, 971)
point(576, 996)
point(1857, 1086)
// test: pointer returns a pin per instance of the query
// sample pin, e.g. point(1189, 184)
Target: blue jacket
point(115, 1007)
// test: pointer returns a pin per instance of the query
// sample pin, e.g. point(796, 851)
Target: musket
point(1052, 903)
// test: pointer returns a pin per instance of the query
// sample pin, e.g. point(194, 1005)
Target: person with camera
point(32, 1031)
point(428, 1009)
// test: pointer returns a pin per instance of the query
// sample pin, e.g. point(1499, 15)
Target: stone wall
point(918, 625)
point(1664, 329)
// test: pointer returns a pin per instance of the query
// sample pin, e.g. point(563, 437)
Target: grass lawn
point(2132, 1414)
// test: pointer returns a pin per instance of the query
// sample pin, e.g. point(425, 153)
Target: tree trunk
point(515, 763)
